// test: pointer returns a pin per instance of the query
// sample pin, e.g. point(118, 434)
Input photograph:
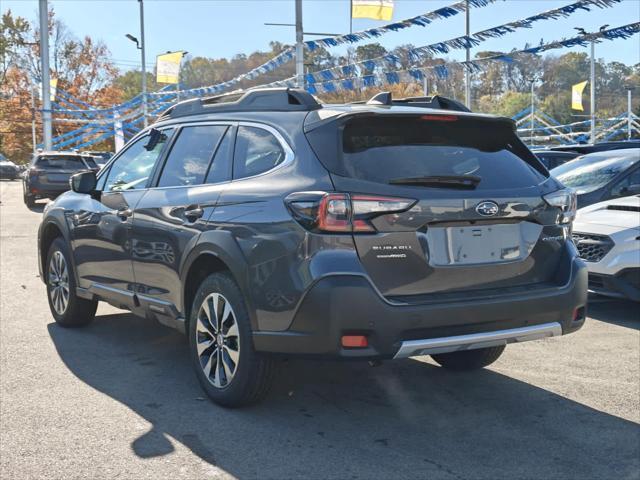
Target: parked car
point(597, 177)
point(607, 235)
point(266, 223)
point(8, 169)
point(552, 159)
point(586, 148)
point(49, 173)
point(99, 157)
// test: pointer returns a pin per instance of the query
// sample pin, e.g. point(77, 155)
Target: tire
point(251, 378)
point(469, 359)
point(76, 311)
point(29, 201)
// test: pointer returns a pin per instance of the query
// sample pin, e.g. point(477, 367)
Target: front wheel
point(469, 359)
point(67, 308)
point(229, 370)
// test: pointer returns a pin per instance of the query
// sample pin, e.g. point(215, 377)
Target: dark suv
point(49, 173)
point(265, 223)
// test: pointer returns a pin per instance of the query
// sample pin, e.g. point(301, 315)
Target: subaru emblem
point(487, 208)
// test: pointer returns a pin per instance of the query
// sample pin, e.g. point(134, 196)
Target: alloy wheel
point(59, 282)
point(217, 340)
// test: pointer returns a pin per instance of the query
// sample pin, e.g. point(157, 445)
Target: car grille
point(592, 248)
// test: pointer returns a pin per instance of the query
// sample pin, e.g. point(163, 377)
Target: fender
point(223, 245)
point(54, 216)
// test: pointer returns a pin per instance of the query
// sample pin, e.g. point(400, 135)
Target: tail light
point(342, 212)
point(566, 201)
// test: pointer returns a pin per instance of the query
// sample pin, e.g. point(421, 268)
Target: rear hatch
point(477, 220)
point(57, 169)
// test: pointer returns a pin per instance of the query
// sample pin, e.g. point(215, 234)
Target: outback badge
point(487, 208)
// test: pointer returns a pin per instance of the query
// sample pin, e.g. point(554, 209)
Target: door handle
point(193, 212)
point(124, 214)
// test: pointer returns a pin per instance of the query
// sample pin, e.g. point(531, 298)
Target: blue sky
point(223, 28)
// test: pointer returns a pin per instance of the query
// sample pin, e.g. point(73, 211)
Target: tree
point(13, 31)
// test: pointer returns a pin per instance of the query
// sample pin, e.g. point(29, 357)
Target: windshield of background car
point(382, 148)
point(588, 173)
point(60, 162)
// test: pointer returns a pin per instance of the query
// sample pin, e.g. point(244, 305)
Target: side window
point(220, 170)
point(257, 151)
point(620, 189)
point(132, 169)
point(191, 155)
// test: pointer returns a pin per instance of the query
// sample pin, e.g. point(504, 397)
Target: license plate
point(471, 245)
point(57, 177)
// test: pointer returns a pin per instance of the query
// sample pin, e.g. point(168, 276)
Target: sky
point(223, 28)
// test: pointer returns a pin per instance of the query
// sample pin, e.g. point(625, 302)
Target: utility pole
point(533, 110)
point(425, 85)
point(593, 92)
point(46, 78)
point(33, 119)
point(144, 65)
point(467, 79)
point(299, 46)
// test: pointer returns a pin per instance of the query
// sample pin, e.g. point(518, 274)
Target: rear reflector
point(440, 118)
point(354, 341)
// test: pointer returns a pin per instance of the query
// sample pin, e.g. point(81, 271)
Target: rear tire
point(67, 308)
point(233, 375)
point(29, 201)
point(469, 359)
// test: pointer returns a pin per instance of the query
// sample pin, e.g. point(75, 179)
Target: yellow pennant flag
point(576, 95)
point(376, 9)
point(168, 67)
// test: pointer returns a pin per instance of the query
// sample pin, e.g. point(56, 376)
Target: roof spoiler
point(435, 101)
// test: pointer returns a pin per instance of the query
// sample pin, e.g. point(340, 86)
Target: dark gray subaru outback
point(265, 223)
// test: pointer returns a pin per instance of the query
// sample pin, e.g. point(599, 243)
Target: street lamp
point(533, 81)
point(140, 46)
point(629, 87)
point(583, 32)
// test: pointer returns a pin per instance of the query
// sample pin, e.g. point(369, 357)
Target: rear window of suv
point(383, 148)
point(60, 162)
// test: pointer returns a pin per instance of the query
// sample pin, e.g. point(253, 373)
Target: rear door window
point(191, 155)
point(60, 162)
point(257, 151)
point(384, 148)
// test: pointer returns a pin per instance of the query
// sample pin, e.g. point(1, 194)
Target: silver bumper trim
point(473, 341)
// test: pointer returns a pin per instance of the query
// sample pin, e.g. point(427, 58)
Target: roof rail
point(259, 99)
point(435, 101)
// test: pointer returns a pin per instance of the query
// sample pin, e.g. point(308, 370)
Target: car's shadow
point(405, 419)
point(623, 313)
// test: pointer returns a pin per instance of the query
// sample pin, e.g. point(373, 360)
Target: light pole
point(467, 79)
point(592, 79)
point(630, 88)
point(299, 46)
point(140, 46)
point(533, 81)
point(46, 79)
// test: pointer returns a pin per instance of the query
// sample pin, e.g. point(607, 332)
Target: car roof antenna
point(382, 98)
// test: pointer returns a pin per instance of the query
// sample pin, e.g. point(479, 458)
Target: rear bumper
point(46, 190)
point(349, 305)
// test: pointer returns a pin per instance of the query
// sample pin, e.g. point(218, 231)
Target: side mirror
point(83, 182)
point(631, 189)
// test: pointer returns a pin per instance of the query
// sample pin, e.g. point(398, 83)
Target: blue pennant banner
point(419, 21)
point(459, 43)
point(441, 71)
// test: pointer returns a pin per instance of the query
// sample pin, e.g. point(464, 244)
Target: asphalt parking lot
point(118, 400)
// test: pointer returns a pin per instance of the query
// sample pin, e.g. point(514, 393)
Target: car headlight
point(566, 201)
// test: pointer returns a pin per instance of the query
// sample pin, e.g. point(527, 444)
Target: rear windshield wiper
point(440, 181)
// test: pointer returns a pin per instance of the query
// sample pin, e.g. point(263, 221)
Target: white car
point(607, 235)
